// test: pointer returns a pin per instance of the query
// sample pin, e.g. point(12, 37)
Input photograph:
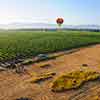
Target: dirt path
point(13, 86)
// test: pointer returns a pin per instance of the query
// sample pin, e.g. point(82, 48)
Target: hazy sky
point(73, 11)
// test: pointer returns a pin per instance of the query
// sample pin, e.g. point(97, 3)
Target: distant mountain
point(88, 26)
point(45, 26)
point(27, 25)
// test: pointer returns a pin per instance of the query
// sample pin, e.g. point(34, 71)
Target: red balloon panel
point(60, 21)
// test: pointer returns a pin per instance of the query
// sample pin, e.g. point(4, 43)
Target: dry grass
point(42, 77)
point(44, 65)
point(73, 80)
point(96, 98)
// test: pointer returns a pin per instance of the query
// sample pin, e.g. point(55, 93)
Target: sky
point(74, 12)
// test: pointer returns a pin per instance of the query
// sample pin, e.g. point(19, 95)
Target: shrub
point(28, 61)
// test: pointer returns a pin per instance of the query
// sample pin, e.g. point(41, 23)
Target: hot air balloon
point(60, 21)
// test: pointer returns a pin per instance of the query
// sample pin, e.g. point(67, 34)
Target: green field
point(31, 43)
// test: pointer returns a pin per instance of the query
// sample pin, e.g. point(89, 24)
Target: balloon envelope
point(60, 21)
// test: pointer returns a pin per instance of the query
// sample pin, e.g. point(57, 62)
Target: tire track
point(82, 94)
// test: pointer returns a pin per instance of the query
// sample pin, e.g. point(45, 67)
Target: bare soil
point(13, 85)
